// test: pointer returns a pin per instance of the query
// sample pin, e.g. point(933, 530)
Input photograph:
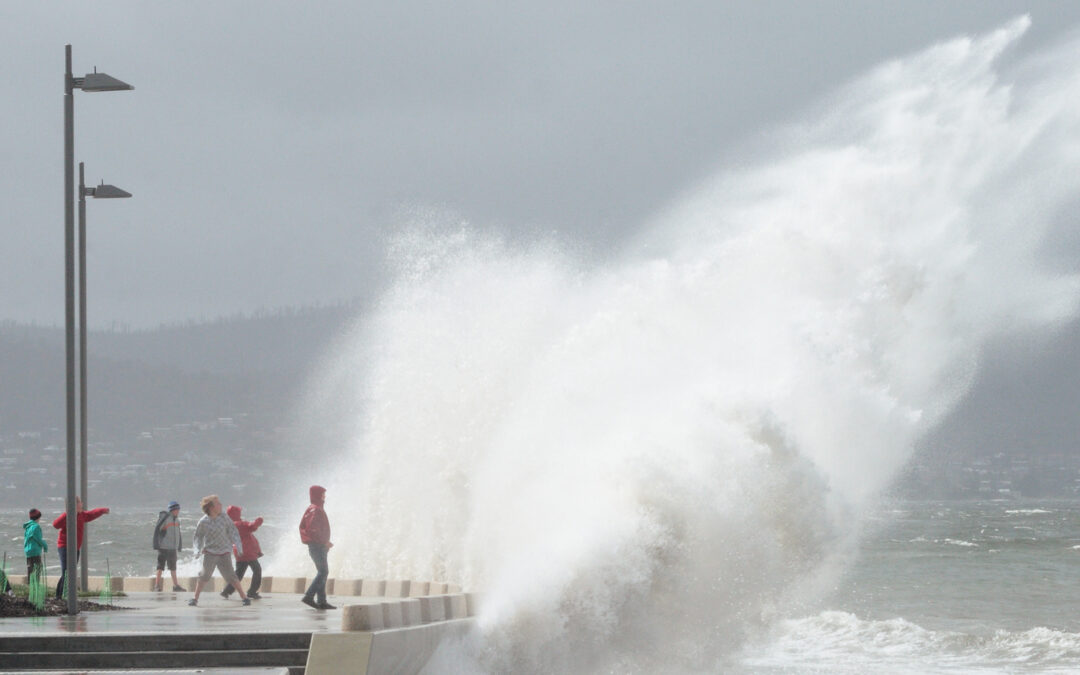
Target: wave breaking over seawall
point(643, 462)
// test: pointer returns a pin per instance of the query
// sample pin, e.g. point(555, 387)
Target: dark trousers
point(32, 561)
point(63, 569)
point(317, 589)
point(256, 576)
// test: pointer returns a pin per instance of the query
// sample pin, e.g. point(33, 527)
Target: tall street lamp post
point(100, 192)
point(91, 82)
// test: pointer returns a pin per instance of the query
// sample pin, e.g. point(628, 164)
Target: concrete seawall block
point(409, 650)
point(453, 588)
point(212, 584)
point(373, 588)
point(362, 617)
point(112, 583)
point(432, 609)
point(288, 585)
point(456, 606)
point(472, 603)
point(437, 588)
point(143, 584)
point(392, 616)
point(334, 653)
point(399, 650)
point(349, 587)
point(19, 579)
point(418, 589)
point(264, 587)
point(397, 589)
point(331, 583)
point(410, 612)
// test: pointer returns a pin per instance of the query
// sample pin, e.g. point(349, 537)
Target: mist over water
point(643, 463)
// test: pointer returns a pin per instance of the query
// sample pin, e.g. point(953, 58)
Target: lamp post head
point(96, 81)
point(104, 191)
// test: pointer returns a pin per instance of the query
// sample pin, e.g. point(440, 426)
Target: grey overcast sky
point(271, 146)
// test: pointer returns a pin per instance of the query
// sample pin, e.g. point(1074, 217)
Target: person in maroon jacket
point(81, 519)
point(250, 555)
point(315, 532)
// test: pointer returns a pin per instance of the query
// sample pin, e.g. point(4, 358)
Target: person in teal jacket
point(33, 544)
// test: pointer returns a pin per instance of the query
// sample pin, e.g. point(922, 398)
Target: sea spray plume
point(639, 464)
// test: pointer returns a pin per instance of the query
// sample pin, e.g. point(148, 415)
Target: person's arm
point(94, 514)
point(324, 529)
point(200, 532)
point(234, 533)
point(258, 522)
point(60, 521)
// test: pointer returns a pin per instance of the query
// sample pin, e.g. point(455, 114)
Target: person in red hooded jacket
point(250, 555)
point(81, 519)
point(315, 532)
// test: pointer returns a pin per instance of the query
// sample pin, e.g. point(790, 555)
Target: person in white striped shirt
point(215, 536)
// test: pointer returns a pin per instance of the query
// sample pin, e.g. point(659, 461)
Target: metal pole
point(82, 370)
point(69, 323)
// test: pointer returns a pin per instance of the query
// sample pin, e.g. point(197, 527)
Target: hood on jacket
point(27, 525)
point(317, 494)
point(234, 512)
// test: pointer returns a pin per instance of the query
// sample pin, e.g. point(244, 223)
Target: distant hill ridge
point(173, 373)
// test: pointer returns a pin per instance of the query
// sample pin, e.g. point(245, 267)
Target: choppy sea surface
point(937, 587)
point(946, 587)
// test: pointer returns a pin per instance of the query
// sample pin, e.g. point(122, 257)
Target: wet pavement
point(170, 613)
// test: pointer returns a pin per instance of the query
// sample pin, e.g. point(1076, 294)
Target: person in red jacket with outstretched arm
point(315, 532)
point(81, 519)
point(249, 557)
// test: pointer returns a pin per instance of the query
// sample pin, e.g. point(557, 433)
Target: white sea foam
point(840, 642)
point(642, 462)
point(959, 542)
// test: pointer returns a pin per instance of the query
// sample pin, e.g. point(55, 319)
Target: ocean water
point(943, 587)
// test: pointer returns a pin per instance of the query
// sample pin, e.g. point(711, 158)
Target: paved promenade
point(169, 613)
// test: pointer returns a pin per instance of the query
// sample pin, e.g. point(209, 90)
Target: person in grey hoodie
point(33, 544)
point(167, 542)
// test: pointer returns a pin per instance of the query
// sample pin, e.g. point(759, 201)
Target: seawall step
point(154, 659)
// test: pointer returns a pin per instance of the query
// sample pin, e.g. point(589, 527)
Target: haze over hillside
point(221, 391)
point(222, 394)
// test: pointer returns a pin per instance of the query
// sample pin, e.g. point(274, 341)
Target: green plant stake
point(3, 574)
point(67, 585)
point(106, 588)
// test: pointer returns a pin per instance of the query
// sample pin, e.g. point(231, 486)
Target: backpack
point(157, 529)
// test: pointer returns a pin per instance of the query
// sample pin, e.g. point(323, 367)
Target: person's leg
point(324, 574)
point(160, 569)
point(171, 560)
point(319, 558)
point(226, 568)
point(256, 578)
point(63, 571)
point(241, 568)
point(204, 576)
point(317, 589)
